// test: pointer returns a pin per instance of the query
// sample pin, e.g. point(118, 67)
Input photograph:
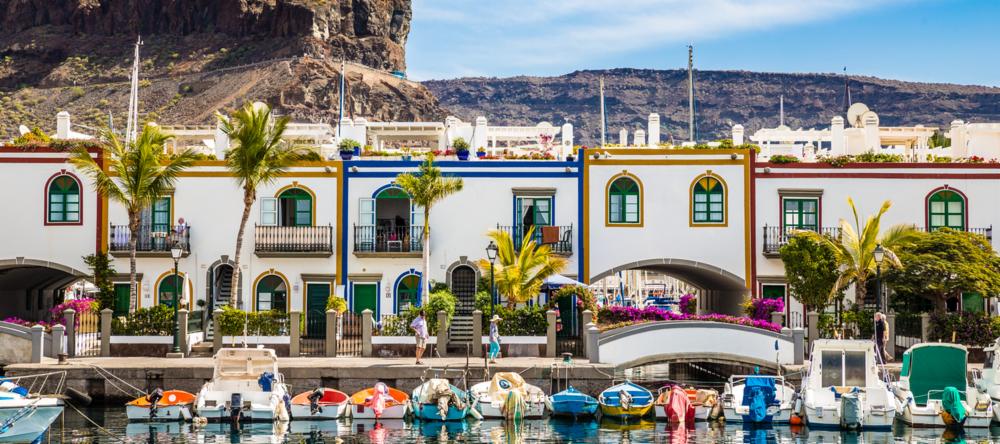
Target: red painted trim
point(101, 217)
point(15, 149)
point(753, 226)
point(45, 192)
point(32, 160)
point(927, 206)
point(880, 165)
point(880, 176)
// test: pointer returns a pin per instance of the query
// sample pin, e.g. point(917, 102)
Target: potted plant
point(481, 152)
point(570, 157)
point(461, 148)
point(406, 153)
point(348, 148)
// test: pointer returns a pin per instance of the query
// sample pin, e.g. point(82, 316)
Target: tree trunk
point(249, 195)
point(133, 229)
point(425, 291)
point(941, 303)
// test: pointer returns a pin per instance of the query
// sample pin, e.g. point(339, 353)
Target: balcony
point(775, 237)
point(151, 240)
point(384, 241)
point(558, 238)
point(310, 241)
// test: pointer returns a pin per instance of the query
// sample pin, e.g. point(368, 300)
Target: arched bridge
point(698, 341)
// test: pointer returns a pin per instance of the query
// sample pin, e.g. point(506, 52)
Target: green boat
point(934, 391)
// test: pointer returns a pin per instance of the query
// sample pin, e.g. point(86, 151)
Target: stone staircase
point(202, 350)
point(460, 333)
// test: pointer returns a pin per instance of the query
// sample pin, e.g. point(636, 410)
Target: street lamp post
point(879, 254)
point(491, 254)
point(175, 252)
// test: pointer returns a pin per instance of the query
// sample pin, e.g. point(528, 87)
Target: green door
point(316, 296)
point(364, 297)
point(122, 299)
point(973, 302)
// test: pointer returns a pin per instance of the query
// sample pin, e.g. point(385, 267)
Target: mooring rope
point(91, 421)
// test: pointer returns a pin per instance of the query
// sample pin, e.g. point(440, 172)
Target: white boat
point(23, 416)
point(843, 388)
point(489, 397)
point(380, 402)
point(245, 386)
point(933, 389)
point(988, 380)
point(778, 396)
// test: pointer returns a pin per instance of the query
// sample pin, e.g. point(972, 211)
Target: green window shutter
point(708, 204)
point(161, 214)
point(946, 208)
point(297, 207)
point(801, 214)
point(623, 201)
point(64, 200)
point(973, 302)
point(271, 294)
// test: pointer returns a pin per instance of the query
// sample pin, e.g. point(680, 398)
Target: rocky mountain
point(199, 56)
point(723, 98)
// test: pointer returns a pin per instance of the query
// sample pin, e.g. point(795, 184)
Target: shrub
point(395, 325)
point(259, 323)
point(972, 329)
point(873, 157)
point(522, 321)
point(336, 303)
point(399, 324)
point(585, 299)
point(151, 321)
point(459, 145)
point(35, 136)
point(348, 145)
point(439, 301)
point(689, 304)
point(79, 305)
point(761, 308)
point(781, 158)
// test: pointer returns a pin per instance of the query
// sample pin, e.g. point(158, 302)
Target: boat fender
point(795, 419)
point(185, 414)
point(548, 404)
point(475, 413)
point(287, 402)
point(154, 397)
point(314, 398)
point(81, 398)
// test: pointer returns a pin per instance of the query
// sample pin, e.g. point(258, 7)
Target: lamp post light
point(491, 254)
point(175, 252)
point(879, 254)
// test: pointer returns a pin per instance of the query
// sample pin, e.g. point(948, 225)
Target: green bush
point(396, 325)
point(151, 321)
point(781, 158)
point(523, 321)
point(259, 323)
point(459, 144)
point(336, 303)
point(971, 329)
point(348, 145)
point(399, 324)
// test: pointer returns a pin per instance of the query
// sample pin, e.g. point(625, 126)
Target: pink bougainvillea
point(689, 304)
point(761, 308)
point(617, 315)
point(79, 305)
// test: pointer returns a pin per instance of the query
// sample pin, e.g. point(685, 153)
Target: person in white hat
point(494, 339)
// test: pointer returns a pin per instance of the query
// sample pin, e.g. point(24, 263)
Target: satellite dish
point(854, 114)
point(23, 130)
point(870, 117)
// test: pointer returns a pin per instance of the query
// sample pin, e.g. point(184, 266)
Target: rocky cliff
point(199, 56)
point(723, 98)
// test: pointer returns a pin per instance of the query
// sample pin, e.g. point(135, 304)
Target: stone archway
point(723, 291)
point(218, 283)
point(463, 277)
point(30, 287)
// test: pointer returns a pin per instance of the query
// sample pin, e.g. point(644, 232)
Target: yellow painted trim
point(607, 202)
point(614, 161)
point(159, 280)
point(285, 174)
point(663, 151)
point(725, 201)
point(312, 195)
point(338, 215)
point(748, 230)
point(304, 163)
point(585, 257)
point(253, 289)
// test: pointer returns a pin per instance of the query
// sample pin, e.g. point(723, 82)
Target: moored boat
point(438, 400)
point(245, 386)
point(507, 396)
point(379, 402)
point(758, 399)
point(318, 404)
point(933, 389)
point(25, 416)
point(988, 379)
point(574, 403)
point(626, 400)
point(843, 388)
point(160, 405)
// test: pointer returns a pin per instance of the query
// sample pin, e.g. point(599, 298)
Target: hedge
point(152, 321)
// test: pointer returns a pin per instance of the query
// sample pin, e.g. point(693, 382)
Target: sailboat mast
point(343, 76)
point(604, 124)
point(132, 120)
point(691, 92)
point(781, 121)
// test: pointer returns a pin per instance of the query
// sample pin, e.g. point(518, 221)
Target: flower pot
point(462, 155)
point(346, 155)
point(480, 154)
point(357, 151)
point(570, 158)
point(406, 157)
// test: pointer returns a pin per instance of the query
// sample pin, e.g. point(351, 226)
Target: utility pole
point(691, 92)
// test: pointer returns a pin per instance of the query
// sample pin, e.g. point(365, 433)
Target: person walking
point(419, 326)
point(881, 337)
point(494, 339)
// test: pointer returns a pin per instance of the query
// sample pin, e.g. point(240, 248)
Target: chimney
point(62, 125)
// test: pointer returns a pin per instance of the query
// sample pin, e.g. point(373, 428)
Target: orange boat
point(379, 402)
point(329, 404)
point(170, 405)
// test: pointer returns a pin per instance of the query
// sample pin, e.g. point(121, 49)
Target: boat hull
point(574, 408)
point(618, 412)
point(429, 412)
point(534, 410)
point(31, 426)
point(397, 411)
point(829, 418)
point(929, 415)
point(326, 412)
point(168, 413)
point(739, 414)
point(701, 412)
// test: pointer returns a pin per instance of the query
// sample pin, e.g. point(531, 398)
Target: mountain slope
point(723, 98)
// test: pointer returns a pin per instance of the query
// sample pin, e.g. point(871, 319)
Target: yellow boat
point(625, 401)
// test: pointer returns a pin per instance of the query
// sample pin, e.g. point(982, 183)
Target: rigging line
point(91, 421)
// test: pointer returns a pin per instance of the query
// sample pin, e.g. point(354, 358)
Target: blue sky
point(950, 41)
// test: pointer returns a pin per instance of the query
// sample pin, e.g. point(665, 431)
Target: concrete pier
point(346, 374)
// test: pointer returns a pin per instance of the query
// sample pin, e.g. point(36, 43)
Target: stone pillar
point(587, 318)
point(623, 137)
point(37, 345)
point(56, 347)
point(593, 344)
point(925, 327)
point(62, 125)
point(70, 316)
point(331, 333)
point(442, 334)
point(890, 326)
point(366, 333)
point(294, 333)
point(106, 332)
point(182, 330)
point(798, 342)
point(653, 130)
point(778, 317)
point(550, 343)
point(838, 144)
point(813, 319)
point(959, 141)
point(477, 334)
point(738, 133)
point(872, 140)
point(216, 331)
point(479, 136)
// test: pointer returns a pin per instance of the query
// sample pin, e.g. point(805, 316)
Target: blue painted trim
point(461, 163)
point(346, 235)
point(488, 174)
point(580, 218)
point(395, 288)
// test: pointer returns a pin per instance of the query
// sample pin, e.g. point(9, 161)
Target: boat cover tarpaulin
point(758, 393)
point(951, 402)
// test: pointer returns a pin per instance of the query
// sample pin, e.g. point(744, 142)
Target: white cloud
point(541, 35)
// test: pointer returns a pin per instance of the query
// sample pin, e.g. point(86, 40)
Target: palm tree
point(855, 247)
point(258, 157)
point(426, 188)
point(521, 273)
point(136, 175)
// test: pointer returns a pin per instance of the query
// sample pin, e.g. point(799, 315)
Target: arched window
point(296, 208)
point(271, 293)
point(624, 200)
point(64, 200)
point(708, 201)
point(946, 208)
point(407, 292)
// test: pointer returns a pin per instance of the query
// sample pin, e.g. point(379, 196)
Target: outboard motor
point(154, 397)
point(314, 398)
point(236, 407)
point(625, 399)
point(851, 414)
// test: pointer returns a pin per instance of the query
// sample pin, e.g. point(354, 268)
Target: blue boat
point(430, 398)
point(572, 402)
